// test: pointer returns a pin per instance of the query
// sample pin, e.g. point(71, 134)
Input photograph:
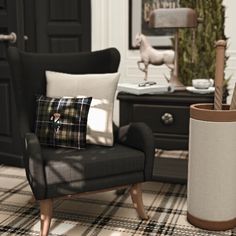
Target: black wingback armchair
point(63, 172)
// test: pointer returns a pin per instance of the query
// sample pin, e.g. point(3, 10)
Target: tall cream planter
point(212, 167)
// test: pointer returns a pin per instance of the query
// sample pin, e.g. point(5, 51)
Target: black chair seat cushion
point(69, 165)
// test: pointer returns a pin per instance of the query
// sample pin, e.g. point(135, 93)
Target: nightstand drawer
point(166, 114)
point(163, 119)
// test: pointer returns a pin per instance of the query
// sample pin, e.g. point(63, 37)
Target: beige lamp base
point(176, 84)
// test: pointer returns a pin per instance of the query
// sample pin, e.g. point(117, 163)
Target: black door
point(11, 33)
point(58, 25)
point(40, 26)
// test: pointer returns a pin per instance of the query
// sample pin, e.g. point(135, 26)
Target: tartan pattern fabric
point(175, 154)
point(62, 122)
point(100, 214)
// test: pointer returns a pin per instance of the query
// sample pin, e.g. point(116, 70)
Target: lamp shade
point(173, 18)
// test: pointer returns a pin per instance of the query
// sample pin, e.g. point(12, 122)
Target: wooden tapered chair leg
point(45, 216)
point(136, 195)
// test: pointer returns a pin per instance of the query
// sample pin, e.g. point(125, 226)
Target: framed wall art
point(139, 11)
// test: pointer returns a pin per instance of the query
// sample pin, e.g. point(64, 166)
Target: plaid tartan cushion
point(62, 122)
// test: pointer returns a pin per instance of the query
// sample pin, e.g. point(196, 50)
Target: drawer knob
point(167, 119)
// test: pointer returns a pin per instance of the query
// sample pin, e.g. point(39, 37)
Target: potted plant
point(196, 47)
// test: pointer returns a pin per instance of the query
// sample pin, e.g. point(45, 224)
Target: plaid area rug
point(103, 214)
point(175, 154)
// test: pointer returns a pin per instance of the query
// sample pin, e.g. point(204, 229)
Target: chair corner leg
point(45, 216)
point(136, 195)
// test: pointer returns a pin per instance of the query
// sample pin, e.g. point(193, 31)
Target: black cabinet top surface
point(183, 97)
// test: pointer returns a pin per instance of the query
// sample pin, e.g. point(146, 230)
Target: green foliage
point(197, 57)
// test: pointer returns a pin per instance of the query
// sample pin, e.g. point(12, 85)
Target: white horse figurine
point(149, 55)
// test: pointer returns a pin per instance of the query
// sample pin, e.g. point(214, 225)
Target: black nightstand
point(168, 117)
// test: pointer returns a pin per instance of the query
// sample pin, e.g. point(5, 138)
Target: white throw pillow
point(101, 87)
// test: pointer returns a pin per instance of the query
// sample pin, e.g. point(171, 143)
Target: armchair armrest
point(139, 136)
point(34, 165)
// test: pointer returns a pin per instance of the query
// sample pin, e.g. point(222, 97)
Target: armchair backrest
point(29, 80)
